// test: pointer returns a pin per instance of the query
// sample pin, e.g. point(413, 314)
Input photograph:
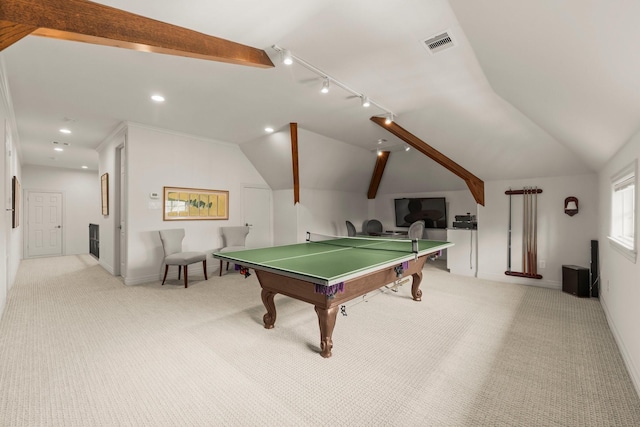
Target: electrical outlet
point(542, 264)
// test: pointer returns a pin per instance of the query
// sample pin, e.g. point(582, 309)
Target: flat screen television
point(433, 210)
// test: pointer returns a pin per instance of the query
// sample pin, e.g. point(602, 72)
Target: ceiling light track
point(288, 58)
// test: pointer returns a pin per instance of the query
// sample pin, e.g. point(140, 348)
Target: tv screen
point(433, 210)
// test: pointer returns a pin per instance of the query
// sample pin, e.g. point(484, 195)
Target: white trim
point(634, 373)
point(621, 248)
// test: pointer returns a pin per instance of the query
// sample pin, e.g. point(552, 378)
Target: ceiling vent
point(438, 43)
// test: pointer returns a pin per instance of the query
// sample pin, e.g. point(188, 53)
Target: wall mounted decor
point(194, 203)
point(571, 206)
point(104, 189)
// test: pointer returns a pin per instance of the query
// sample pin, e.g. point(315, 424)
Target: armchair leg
point(220, 274)
point(186, 270)
point(179, 271)
point(166, 268)
point(204, 266)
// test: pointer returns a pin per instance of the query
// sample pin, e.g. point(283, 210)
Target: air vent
point(438, 43)
point(61, 143)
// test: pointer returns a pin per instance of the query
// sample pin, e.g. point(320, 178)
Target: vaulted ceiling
point(534, 88)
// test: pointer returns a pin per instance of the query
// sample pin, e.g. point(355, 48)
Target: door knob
point(58, 226)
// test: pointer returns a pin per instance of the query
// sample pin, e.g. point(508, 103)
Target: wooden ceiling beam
point(293, 127)
point(378, 171)
point(89, 22)
point(10, 32)
point(475, 184)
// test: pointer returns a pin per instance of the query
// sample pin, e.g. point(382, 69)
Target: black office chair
point(351, 229)
point(374, 227)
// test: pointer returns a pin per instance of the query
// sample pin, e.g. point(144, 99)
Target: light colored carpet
point(79, 348)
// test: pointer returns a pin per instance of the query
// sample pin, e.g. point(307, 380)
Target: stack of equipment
point(467, 221)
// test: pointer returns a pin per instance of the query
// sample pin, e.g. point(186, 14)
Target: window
point(623, 211)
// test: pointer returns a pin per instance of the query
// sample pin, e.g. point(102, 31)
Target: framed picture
point(15, 202)
point(194, 203)
point(104, 190)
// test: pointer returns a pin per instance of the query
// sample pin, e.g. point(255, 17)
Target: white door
point(44, 224)
point(257, 215)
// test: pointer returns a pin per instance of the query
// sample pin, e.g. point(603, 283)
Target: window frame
point(623, 178)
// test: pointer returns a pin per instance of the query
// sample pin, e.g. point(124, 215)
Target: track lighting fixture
point(288, 58)
point(325, 85)
point(407, 148)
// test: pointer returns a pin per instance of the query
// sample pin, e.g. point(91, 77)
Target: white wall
point(326, 212)
point(562, 240)
point(285, 218)
point(620, 277)
point(10, 238)
point(81, 201)
point(158, 158)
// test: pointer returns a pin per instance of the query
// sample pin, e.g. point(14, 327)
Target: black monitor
point(433, 210)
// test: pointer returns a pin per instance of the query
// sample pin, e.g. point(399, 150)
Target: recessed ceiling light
point(268, 129)
point(58, 149)
point(157, 98)
point(65, 130)
point(85, 167)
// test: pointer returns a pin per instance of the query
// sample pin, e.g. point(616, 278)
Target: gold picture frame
point(104, 191)
point(181, 204)
point(15, 202)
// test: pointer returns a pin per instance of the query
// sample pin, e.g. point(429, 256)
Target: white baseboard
point(521, 280)
point(628, 361)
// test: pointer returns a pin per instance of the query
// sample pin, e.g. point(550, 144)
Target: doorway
point(44, 224)
point(257, 215)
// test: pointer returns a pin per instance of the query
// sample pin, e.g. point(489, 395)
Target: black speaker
point(595, 271)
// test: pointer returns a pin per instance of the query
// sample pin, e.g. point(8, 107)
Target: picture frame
point(15, 202)
point(104, 191)
point(182, 204)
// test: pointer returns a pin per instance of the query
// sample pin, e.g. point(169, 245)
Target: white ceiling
point(534, 88)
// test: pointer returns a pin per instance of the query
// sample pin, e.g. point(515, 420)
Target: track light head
point(287, 59)
point(325, 85)
point(365, 101)
point(388, 119)
point(407, 148)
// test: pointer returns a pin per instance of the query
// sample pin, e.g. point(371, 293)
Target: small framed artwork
point(194, 204)
point(104, 191)
point(15, 202)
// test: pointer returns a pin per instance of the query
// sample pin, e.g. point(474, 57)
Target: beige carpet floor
point(79, 348)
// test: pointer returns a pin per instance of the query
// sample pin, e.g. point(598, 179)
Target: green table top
point(333, 261)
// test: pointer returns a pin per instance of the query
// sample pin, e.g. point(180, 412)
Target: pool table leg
point(327, 320)
point(415, 286)
point(269, 318)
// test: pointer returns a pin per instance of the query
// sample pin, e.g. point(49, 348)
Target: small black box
point(575, 280)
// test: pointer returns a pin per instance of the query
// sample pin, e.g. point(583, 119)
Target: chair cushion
point(184, 258)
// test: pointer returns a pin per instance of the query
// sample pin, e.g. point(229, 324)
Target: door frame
point(120, 211)
point(25, 235)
